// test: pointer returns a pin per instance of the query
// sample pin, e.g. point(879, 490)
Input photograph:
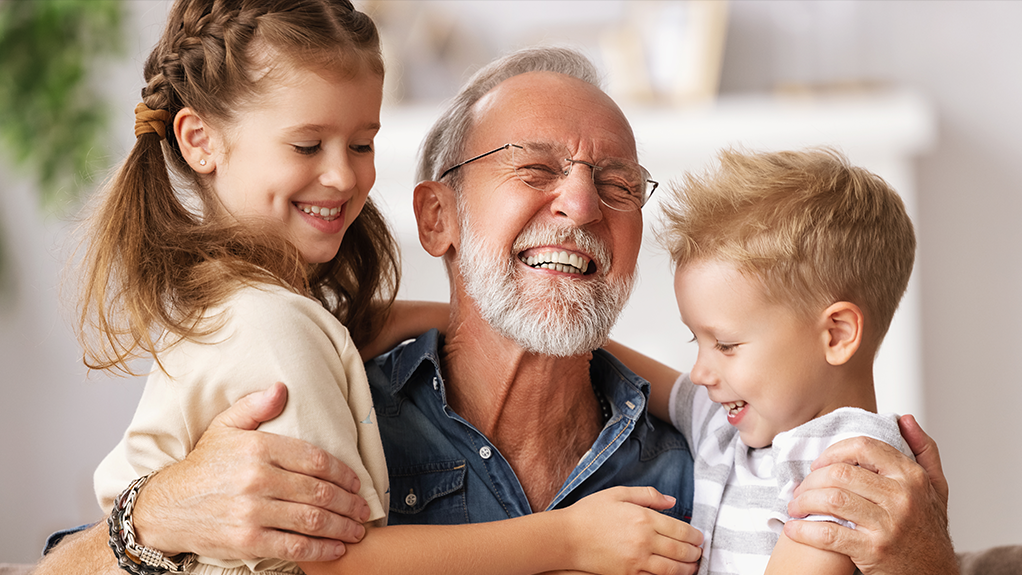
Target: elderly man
point(532, 195)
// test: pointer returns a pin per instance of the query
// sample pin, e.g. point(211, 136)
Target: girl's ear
point(193, 138)
point(436, 212)
point(843, 331)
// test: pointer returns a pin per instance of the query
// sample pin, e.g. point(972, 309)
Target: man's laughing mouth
point(556, 260)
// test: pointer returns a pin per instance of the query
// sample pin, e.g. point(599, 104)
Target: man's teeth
point(558, 261)
point(734, 406)
point(319, 211)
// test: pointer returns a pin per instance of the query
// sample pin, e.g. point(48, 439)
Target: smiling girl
point(235, 245)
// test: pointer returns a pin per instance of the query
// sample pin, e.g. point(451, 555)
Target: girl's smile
point(302, 157)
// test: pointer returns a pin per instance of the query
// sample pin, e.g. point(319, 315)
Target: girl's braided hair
point(160, 255)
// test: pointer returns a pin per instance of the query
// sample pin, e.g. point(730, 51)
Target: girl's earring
point(202, 162)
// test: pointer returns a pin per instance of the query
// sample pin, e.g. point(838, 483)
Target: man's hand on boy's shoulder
point(899, 506)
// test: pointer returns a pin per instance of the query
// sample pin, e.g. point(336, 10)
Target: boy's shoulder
point(838, 425)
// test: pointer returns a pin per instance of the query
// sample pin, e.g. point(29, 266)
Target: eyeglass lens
point(621, 184)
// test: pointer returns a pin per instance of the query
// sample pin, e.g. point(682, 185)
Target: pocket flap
point(412, 488)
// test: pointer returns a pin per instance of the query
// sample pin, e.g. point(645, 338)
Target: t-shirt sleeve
point(795, 450)
point(682, 394)
point(692, 410)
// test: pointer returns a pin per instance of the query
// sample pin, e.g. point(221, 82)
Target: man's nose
point(576, 197)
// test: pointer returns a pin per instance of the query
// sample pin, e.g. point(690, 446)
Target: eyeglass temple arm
point(479, 157)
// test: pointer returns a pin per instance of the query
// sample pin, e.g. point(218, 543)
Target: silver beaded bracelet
point(131, 556)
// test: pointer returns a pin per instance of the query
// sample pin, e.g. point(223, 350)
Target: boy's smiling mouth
point(733, 407)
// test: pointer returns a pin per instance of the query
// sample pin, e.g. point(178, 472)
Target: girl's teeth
point(320, 211)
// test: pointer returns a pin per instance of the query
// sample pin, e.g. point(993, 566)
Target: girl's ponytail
point(125, 268)
point(162, 249)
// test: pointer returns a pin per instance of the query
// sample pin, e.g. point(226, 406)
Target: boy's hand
point(620, 531)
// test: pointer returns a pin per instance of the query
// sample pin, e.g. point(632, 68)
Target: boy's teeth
point(733, 406)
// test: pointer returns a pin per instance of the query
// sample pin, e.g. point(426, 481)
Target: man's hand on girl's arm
point(240, 494)
point(899, 506)
point(243, 494)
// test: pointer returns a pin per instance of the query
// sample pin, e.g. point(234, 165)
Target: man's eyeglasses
point(621, 184)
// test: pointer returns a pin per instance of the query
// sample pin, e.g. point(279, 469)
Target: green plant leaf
point(52, 118)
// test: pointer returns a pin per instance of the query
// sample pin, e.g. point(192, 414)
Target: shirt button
point(410, 500)
point(485, 452)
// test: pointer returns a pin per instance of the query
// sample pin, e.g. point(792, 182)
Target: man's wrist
point(131, 555)
point(150, 520)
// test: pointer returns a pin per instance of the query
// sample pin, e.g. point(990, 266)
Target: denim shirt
point(444, 471)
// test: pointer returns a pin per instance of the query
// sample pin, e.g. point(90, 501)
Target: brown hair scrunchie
point(147, 120)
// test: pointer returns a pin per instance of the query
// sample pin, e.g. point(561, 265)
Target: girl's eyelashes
point(306, 150)
point(310, 149)
point(726, 347)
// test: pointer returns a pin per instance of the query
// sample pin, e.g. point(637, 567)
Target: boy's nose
point(701, 374)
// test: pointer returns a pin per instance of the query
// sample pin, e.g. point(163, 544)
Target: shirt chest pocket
point(429, 494)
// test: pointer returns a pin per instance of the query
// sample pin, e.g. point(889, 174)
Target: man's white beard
point(557, 315)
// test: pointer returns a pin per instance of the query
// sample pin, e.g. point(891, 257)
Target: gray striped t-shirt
point(741, 493)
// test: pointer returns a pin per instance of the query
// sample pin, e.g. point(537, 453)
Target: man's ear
point(194, 140)
point(436, 212)
point(843, 331)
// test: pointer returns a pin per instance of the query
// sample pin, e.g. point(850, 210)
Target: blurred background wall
point(958, 61)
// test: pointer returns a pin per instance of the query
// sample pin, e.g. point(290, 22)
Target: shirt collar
point(627, 392)
point(409, 356)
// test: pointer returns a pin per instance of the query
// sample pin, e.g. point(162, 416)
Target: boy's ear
point(436, 212)
point(194, 140)
point(843, 331)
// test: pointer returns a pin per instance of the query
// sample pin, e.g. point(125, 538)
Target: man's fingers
point(846, 477)
point(927, 455)
point(255, 408)
point(328, 498)
point(309, 521)
point(294, 547)
point(837, 502)
point(866, 452)
point(824, 535)
point(308, 461)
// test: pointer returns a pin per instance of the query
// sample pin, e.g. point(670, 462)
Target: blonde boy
point(790, 266)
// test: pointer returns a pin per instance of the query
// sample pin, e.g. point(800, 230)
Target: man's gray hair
point(444, 144)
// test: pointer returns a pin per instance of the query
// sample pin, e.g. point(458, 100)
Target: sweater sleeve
point(266, 334)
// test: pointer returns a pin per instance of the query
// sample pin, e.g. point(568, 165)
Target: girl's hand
point(619, 530)
point(407, 319)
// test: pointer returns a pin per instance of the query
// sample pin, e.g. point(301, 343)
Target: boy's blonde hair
point(811, 227)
